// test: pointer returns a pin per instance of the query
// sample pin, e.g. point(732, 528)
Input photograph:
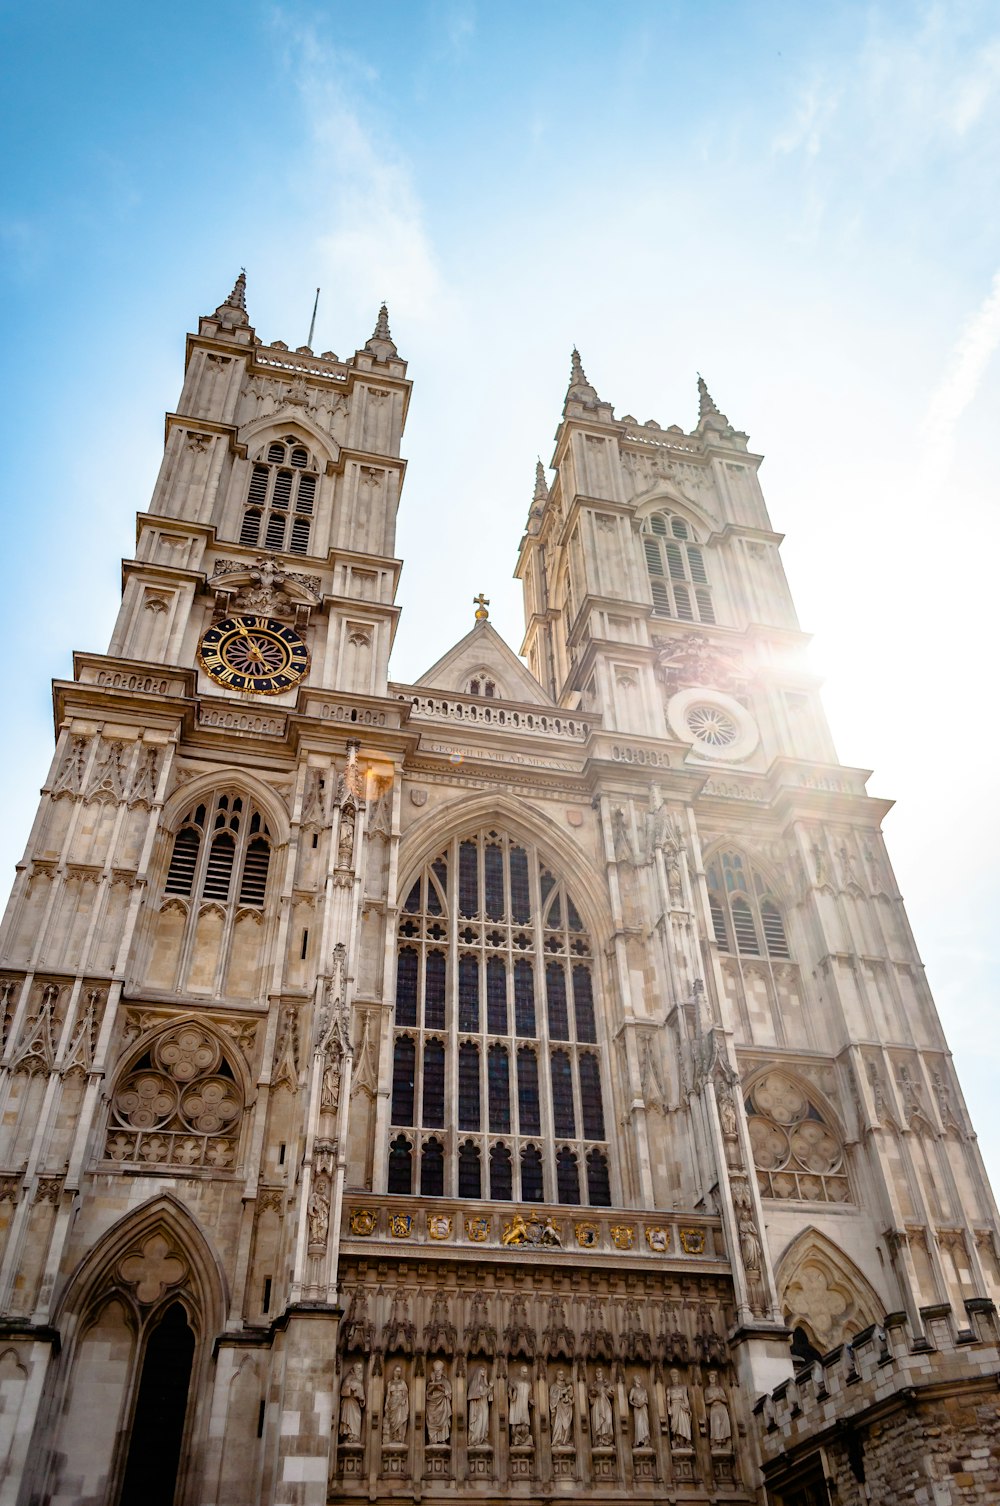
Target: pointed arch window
point(675, 566)
point(496, 984)
point(746, 918)
point(220, 862)
point(281, 498)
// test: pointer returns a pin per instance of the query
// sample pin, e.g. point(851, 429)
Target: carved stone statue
point(519, 1404)
point(438, 1405)
point(397, 1407)
point(480, 1394)
point(602, 1417)
point(331, 1082)
point(352, 1400)
point(727, 1111)
point(638, 1400)
point(750, 1246)
point(678, 1411)
point(345, 841)
point(319, 1214)
point(561, 1411)
point(720, 1428)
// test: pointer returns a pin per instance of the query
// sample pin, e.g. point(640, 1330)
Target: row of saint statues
point(438, 1409)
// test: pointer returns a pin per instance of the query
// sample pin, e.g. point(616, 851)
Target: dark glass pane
point(439, 868)
point(529, 1118)
point(498, 1073)
point(468, 1087)
point(520, 888)
point(531, 1175)
point(412, 905)
point(563, 1114)
point(432, 1169)
point(434, 975)
point(583, 1004)
point(433, 1110)
point(590, 1097)
point(567, 1177)
point(501, 1174)
point(403, 1065)
point(555, 995)
point(547, 884)
point(468, 879)
point(468, 993)
point(434, 906)
point(496, 996)
point(158, 1424)
point(406, 987)
point(524, 997)
point(598, 1184)
point(493, 865)
point(572, 918)
point(400, 1166)
point(470, 1172)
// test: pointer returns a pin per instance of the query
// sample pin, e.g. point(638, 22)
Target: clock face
point(255, 654)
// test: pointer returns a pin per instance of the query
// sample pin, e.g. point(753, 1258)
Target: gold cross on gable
point(480, 603)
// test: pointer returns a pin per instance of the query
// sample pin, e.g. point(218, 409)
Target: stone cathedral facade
point(520, 1084)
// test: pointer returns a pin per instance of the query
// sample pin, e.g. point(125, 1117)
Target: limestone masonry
point(521, 1084)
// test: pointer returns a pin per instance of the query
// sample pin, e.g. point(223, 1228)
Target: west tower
point(480, 1087)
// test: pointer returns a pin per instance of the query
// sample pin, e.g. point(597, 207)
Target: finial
point(706, 403)
point(541, 485)
point(480, 603)
point(238, 297)
point(579, 387)
point(381, 343)
point(233, 311)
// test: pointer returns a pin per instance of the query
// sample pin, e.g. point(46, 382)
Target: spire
point(709, 414)
point(381, 343)
point(238, 297)
point(541, 485)
point(579, 387)
point(233, 310)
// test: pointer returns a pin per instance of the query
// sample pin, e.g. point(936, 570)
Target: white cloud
point(966, 369)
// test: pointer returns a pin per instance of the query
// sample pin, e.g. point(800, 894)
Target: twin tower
point(514, 1085)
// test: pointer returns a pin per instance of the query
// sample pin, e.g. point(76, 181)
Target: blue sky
point(799, 201)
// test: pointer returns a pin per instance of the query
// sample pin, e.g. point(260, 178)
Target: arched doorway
point(161, 1404)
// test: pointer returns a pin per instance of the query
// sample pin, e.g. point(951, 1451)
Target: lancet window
point(746, 917)
point(208, 927)
point(280, 499)
point(496, 1034)
point(675, 565)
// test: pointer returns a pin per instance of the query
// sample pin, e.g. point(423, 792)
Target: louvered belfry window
point(497, 1002)
point(221, 853)
point(746, 917)
point(675, 566)
point(280, 499)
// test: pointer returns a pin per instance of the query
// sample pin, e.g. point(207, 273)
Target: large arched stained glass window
point(497, 1009)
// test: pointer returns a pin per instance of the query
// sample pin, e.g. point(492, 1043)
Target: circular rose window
point(713, 724)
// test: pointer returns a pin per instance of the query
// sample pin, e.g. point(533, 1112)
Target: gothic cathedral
point(521, 1084)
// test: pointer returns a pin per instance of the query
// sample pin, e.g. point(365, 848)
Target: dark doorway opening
point(158, 1426)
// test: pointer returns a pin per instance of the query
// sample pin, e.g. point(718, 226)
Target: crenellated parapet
point(905, 1408)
